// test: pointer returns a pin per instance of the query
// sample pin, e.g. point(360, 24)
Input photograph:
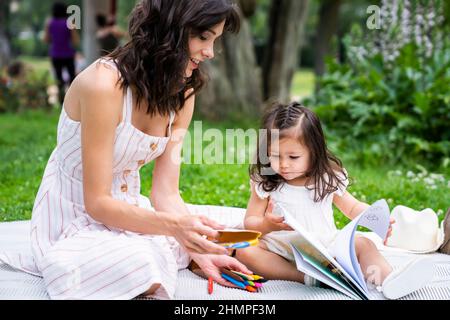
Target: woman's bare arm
point(165, 194)
point(100, 103)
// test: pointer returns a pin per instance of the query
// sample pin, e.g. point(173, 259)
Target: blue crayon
point(233, 281)
point(240, 245)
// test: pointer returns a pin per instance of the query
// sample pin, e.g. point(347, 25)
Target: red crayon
point(210, 285)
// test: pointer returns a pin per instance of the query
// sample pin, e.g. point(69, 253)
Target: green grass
point(26, 141)
point(303, 84)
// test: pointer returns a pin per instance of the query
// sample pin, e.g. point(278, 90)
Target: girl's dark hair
point(154, 61)
point(59, 10)
point(325, 173)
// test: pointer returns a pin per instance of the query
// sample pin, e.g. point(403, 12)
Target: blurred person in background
point(63, 41)
point(108, 34)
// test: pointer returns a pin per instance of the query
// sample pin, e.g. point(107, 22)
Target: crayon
point(256, 277)
point(258, 285)
point(210, 285)
point(242, 275)
point(250, 289)
point(235, 282)
point(231, 274)
point(240, 245)
point(250, 283)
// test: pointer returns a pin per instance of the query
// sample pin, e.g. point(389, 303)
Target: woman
point(93, 235)
point(62, 41)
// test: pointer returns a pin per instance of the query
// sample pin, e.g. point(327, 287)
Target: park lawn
point(302, 84)
point(27, 140)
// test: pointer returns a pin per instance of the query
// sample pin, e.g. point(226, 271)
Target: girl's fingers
point(275, 219)
point(286, 227)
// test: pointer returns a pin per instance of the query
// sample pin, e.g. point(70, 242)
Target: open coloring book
point(341, 272)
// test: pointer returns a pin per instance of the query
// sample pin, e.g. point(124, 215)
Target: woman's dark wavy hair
point(325, 173)
point(154, 61)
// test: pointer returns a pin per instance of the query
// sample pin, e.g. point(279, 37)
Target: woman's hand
point(211, 266)
point(389, 233)
point(191, 232)
point(274, 222)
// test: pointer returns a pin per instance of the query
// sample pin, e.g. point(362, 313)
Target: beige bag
point(445, 248)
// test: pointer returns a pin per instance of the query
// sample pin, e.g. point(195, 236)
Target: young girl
point(303, 176)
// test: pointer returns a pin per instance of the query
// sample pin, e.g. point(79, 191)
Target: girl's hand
point(274, 222)
point(191, 232)
point(389, 233)
point(211, 265)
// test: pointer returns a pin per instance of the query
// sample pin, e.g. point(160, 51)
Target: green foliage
point(27, 140)
point(389, 111)
point(31, 16)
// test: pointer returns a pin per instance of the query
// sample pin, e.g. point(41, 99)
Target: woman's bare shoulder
point(97, 86)
point(99, 77)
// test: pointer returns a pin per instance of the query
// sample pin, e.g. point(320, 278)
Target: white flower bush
point(403, 22)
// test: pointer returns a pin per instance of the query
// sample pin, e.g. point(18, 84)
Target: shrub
point(27, 90)
point(390, 102)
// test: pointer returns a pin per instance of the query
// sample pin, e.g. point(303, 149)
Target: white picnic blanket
point(14, 237)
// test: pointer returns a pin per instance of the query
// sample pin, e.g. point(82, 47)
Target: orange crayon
point(250, 289)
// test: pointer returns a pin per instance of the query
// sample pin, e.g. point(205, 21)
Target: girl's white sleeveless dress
point(80, 258)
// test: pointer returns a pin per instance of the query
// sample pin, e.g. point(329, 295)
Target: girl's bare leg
point(373, 265)
point(268, 264)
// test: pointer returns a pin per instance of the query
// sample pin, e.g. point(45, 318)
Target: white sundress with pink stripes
point(80, 258)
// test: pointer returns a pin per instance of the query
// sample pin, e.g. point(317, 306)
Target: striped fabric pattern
point(14, 237)
point(80, 258)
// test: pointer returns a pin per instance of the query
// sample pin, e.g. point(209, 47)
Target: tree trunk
point(326, 29)
point(287, 19)
point(91, 8)
point(234, 88)
point(5, 47)
point(248, 7)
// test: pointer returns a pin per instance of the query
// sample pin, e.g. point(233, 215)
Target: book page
point(310, 247)
point(375, 218)
point(321, 273)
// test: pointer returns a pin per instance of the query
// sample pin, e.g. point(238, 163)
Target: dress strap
point(109, 62)
point(128, 98)
point(172, 118)
point(127, 106)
